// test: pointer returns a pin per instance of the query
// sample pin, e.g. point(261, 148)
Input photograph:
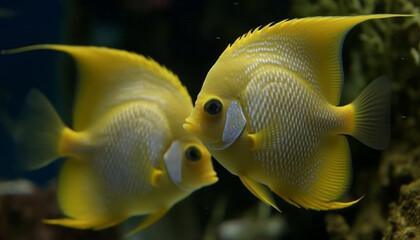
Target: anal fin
point(330, 179)
point(261, 191)
point(94, 223)
point(314, 203)
point(149, 220)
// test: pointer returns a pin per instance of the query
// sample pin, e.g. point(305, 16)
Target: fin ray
point(97, 223)
point(372, 114)
point(260, 191)
point(79, 195)
point(38, 131)
point(149, 220)
point(332, 178)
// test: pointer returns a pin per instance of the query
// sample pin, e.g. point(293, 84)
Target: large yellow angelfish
point(268, 112)
point(127, 152)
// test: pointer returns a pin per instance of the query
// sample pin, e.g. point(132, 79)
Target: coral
point(402, 171)
point(337, 227)
point(399, 166)
point(404, 220)
point(391, 208)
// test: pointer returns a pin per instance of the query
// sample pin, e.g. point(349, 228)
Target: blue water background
point(27, 23)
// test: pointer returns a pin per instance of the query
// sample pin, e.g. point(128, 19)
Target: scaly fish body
point(268, 112)
point(112, 149)
point(127, 153)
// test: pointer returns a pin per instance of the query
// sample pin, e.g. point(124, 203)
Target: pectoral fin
point(266, 138)
point(149, 220)
point(156, 175)
point(260, 191)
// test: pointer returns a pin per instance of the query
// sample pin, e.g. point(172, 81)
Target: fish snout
point(210, 177)
point(191, 126)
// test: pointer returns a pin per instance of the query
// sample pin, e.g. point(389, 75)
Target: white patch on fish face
point(234, 125)
point(173, 162)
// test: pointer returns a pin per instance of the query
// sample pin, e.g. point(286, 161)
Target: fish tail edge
point(37, 132)
point(372, 114)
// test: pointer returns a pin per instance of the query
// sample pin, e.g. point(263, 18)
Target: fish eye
point(193, 154)
point(213, 107)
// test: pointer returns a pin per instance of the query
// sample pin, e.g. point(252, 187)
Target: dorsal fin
point(310, 47)
point(109, 77)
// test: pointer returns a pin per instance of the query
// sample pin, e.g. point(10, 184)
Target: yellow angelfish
point(127, 152)
point(268, 112)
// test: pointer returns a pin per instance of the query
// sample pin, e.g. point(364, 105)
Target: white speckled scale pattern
point(294, 117)
point(132, 143)
point(292, 53)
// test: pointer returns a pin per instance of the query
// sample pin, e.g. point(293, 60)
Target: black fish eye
point(193, 154)
point(213, 107)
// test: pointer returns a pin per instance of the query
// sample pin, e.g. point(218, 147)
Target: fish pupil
point(193, 154)
point(213, 107)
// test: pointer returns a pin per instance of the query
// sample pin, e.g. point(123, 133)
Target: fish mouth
point(189, 126)
point(211, 177)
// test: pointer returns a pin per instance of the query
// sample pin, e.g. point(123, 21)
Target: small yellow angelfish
point(268, 112)
point(127, 153)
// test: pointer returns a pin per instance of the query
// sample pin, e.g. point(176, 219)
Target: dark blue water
point(27, 23)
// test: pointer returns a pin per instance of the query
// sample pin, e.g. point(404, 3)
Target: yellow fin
point(38, 131)
point(79, 194)
point(316, 204)
point(372, 114)
point(331, 178)
point(261, 191)
point(95, 223)
point(112, 221)
point(318, 52)
point(155, 176)
point(265, 138)
point(149, 220)
point(106, 73)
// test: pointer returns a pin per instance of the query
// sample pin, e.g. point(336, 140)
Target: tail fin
point(6, 122)
point(37, 132)
point(372, 114)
